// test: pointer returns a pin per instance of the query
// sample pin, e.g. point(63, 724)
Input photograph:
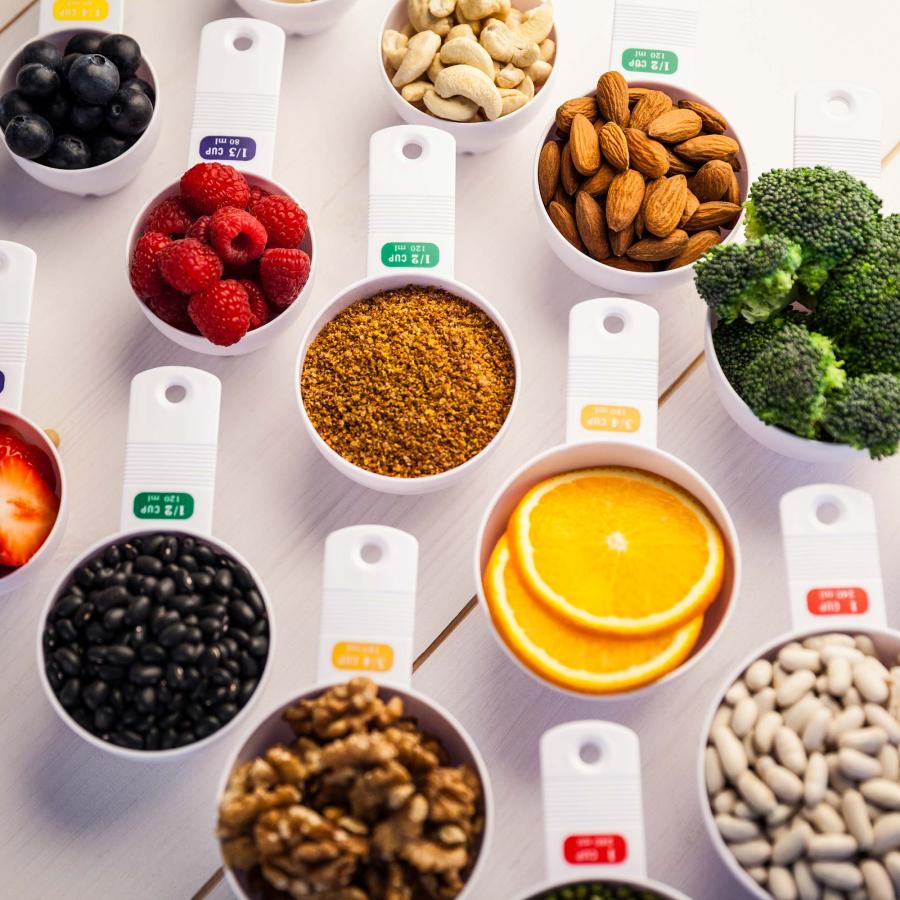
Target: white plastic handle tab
point(170, 461)
point(412, 201)
point(613, 372)
point(839, 126)
point(831, 549)
point(17, 268)
point(102, 15)
point(655, 38)
point(368, 605)
point(236, 100)
point(593, 807)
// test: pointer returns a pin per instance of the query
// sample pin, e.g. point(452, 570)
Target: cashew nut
point(440, 9)
point(435, 68)
point(512, 101)
point(527, 87)
point(463, 19)
point(481, 9)
point(393, 47)
point(408, 31)
point(513, 17)
point(548, 50)
point(415, 91)
point(462, 51)
point(454, 109)
point(421, 51)
point(421, 19)
point(467, 81)
point(510, 76)
point(540, 71)
point(536, 24)
point(505, 45)
point(461, 31)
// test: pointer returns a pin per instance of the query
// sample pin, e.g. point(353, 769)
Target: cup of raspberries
point(221, 261)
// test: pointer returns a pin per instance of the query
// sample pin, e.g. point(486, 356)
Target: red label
point(595, 849)
point(845, 601)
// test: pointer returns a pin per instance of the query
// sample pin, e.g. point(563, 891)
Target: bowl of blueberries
point(79, 110)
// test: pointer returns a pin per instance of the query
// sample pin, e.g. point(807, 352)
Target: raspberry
point(209, 186)
point(200, 230)
point(189, 266)
point(283, 274)
point(284, 221)
point(259, 309)
point(145, 275)
point(236, 236)
point(256, 194)
point(171, 307)
point(221, 313)
point(171, 217)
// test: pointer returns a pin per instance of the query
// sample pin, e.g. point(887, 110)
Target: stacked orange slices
point(602, 579)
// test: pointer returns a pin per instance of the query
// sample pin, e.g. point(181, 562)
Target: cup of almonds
point(636, 181)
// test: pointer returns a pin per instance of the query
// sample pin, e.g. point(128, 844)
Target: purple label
point(2, 381)
point(234, 149)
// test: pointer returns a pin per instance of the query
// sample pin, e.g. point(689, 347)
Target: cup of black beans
point(155, 643)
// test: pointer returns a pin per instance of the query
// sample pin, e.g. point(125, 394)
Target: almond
point(675, 125)
point(678, 166)
point(646, 155)
point(707, 146)
point(591, 222)
point(585, 145)
point(567, 201)
point(690, 207)
point(656, 249)
point(712, 215)
point(615, 147)
point(712, 180)
point(696, 246)
point(665, 204)
point(733, 194)
point(584, 106)
point(612, 98)
point(548, 170)
point(620, 241)
point(639, 228)
point(598, 184)
point(635, 94)
point(712, 119)
point(630, 265)
point(651, 106)
point(565, 224)
point(568, 174)
point(626, 193)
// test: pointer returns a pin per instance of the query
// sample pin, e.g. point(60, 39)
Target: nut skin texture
point(549, 170)
point(624, 198)
point(675, 125)
point(712, 181)
point(647, 156)
point(656, 249)
point(585, 146)
point(651, 106)
point(598, 184)
point(713, 121)
point(612, 98)
point(614, 145)
point(585, 106)
point(706, 147)
point(710, 215)
point(565, 224)
point(664, 206)
point(568, 172)
point(591, 222)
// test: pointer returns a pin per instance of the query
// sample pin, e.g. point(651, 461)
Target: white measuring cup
point(235, 121)
point(368, 614)
point(611, 420)
point(837, 126)
point(834, 585)
point(593, 810)
point(17, 270)
point(412, 218)
point(296, 17)
point(169, 483)
point(60, 21)
point(654, 46)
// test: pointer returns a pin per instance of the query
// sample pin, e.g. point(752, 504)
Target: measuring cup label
point(849, 601)
point(410, 256)
point(231, 149)
point(59, 15)
point(80, 10)
point(355, 657)
point(646, 61)
point(595, 849)
point(163, 506)
point(598, 417)
point(653, 38)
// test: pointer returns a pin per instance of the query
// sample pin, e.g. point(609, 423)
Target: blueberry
point(56, 111)
point(13, 103)
point(65, 66)
point(84, 43)
point(94, 79)
point(123, 51)
point(138, 84)
point(86, 118)
point(107, 147)
point(37, 81)
point(129, 113)
point(42, 52)
point(69, 152)
point(29, 136)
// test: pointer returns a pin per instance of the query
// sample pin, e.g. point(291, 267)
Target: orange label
point(363, 657)
point(598, 417)
point(80, 10)
point(845, 601)
point(595, 849)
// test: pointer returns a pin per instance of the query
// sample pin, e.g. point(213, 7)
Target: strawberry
point(200, 229)
point(28, 511)
point(14, 446)
point(283, 274)
point(171, 217)
point(259, 309)
point(171, 307)
point(221, 313)
point(209, 186)
point(190, 266)
point(236, 236)
point(284, 221)
point(144, 273)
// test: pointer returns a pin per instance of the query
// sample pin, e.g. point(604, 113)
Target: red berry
point(283, 274)
point(13, 444)
point(200, 229)
point(256, 194)
point(284, 221)
point(259, 309)
point(189, 266)
point(222, 313)
point(171, 307)
point(209, 186)
point(171, 217)
point(144, 273)
point(236, 236)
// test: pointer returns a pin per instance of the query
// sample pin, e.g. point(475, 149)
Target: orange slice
point(617, 550)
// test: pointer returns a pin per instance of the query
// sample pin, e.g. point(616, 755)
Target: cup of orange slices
point(607, 565)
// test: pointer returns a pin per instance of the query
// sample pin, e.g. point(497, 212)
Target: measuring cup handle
point(17, 269)
point(613, 383)
point(101, 15)
point(655, 38)
point(237, 94)
point(831, 550)
point(593, 814)
point(170, 459)
point(368, 605)
point(412, 201)
point(839, 126)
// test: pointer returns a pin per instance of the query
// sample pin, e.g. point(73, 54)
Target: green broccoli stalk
point(751, 280)
point(866, 414)
point(830, 214)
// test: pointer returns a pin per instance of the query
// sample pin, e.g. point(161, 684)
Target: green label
point(163, 506)
point(643, 59)
point(410, 256)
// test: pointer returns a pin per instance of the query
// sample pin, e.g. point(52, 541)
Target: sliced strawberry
point(12, 444)
point(28, 510)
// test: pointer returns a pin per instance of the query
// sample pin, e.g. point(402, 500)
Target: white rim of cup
point(176, 752)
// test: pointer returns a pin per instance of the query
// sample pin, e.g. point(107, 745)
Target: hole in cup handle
point(17, 270)
point(831, 552)
point(593, 808)
point(61, 15)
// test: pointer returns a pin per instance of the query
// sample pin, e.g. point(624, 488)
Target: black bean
point(206, 726)
point(185, 736)
point(152, 543)
point(173, 634)
point(226, 712)
point(175, 674)
point(148, 565)
point(142, 726)
point(186, 653)
point(110, 597)
point(210, 659)
point(191, 677)
point(96, 633)
point(165, 590)
point(194, 711)
point(239, 636)
point(232, 666)
point(66, 607)
point(223, 580)
point(96, 654)
point(188, 563)
point(187, 603)
point(96, 694)
point(167, 739)
point(230, 646)
point(84, 577)
point(185, 581)
point(204, 555)
point(254, 598)
point(211, 628)
point(169, 549)
point(129, 551)
point(243, 577)
point(103, 576)
point(152, 653)
point(139, 610)
point(249, 666)
point(117, 698)
point(133, 583)
point(130, 716)
point(55, 677)
point(83, 615)
point(193, 635)
point(69, 661)
point(214, 696)
point(152, 739)
point(241, 613)
point(146, 699)
point(104, 716)
point(141, 673)
point(66, 631)
point(138, 637)
point(166, 620)
point(259, 647)
point(119, 579)
point(114, 619)
point(170, 720)
point(83, 718)
point(128, 738)
point(246, 690)
point(120, 655)
point(70, 694)
point(148, 584)
point(110, 673)
point(191, 620)
point(202, 582)
point(187, 544)
point(112, 556)
point(213, 611)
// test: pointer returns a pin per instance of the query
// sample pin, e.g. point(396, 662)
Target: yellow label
point(598, 417)
point(80, 10)
point(363, 657)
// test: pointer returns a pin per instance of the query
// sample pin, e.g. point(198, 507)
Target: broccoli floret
point(738, 343)
point(752, 280)
point(859, 306)
point(830, 214)
point(866, 414)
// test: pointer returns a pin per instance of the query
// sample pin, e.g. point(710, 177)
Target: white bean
point(731, 752)
point(781, 814)
point(724, 801)
point(795, 686)
point(793, 657)
point(887, 834)
point(737, 692)
point(825, 819)
point(815, 780)
point(836, 780)
point(712, 769)
point(882, 793)
point(878, 882)
point(786, 786)
point(790, 846)
point(807, 886)
point(880, 717)
point(840, 676)
point(865, 644)
point(870, 682)
point(841, 876)
point(760, 874)
point(817, 730)
point(866, 740)
point(743, 811)
point(836, 639)
point(736, 830)
point(892, 864)
point(765, 700)
point(857, 766)
point(851, 654)
point(890, 762)
point(851, 698)
point(722, 718)
point(756, 793)
point(744, 717)
point(849, 720)
point(781, 884)
point(801, 712)
point(790, 751)
point(764, 733)
point(856, 816)
point(831, 846)
point(752, 853)
point(759, 675)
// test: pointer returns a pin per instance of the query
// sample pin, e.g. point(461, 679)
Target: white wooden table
point(75, 823)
